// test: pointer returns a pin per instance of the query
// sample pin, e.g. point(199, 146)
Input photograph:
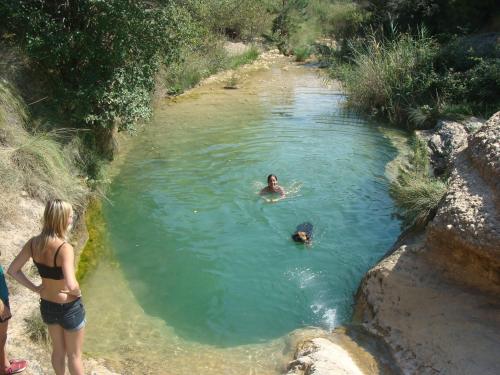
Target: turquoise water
point(202, 252)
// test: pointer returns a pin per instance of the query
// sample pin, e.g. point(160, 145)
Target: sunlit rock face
point(434, 298)
point(465, 234)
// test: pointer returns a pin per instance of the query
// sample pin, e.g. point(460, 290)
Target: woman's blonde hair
point(55, 222)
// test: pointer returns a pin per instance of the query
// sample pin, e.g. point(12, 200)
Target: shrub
point(415, 192)
point(302, 53)
point(235, 19)
point(101, 56)
point(339, 19)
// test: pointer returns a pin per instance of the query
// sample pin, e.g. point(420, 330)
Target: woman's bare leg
point(4, 360)
point(58, 348)
point(74, 348)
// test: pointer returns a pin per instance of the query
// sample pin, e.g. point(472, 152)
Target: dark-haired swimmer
point(273, 188)
point(303, 233)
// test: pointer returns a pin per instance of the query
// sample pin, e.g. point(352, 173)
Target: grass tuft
point(415, 192)
point(302, 53)
point(36, 329)
point(38, 164)
point(245, 58)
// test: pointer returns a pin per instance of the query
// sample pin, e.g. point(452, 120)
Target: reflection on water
point(204, 277)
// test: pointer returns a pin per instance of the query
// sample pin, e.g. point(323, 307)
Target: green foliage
point(390, 77)
point(440, 16)
point(97, 246)
point(43, 165)
point(410, 80)
point(101, 55)
point(415, 192)
point(302, 53)
point(245, 58)
point(46, 171)
point(290, 15)
point(235, 19)
point(197, 64)
point(340, 18)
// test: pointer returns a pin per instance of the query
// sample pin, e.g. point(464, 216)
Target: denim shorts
point(4, 291)
point(70, 316)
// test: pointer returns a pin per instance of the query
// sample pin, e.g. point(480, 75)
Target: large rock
point(445, 141)
point(484, 151)
point(320, 356)
point(435, 299)
point(465, 234)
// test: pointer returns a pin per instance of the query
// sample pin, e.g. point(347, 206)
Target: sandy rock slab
point(320, 356)
point(432, 325)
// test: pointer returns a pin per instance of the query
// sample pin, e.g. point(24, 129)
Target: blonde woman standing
point(60, 304)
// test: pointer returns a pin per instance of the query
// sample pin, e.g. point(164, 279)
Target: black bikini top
point(47, 272)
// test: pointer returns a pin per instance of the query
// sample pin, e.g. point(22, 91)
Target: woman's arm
point(15, 269)
point(68, 267)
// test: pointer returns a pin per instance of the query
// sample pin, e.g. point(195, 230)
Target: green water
point(202, 264)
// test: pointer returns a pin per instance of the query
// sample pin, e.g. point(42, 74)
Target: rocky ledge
point(435, 298)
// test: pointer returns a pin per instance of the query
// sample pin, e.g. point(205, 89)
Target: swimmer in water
point(273, 188)
point(303, 233)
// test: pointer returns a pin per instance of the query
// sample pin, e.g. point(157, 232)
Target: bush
point(340, 19)
point(101, 56)
point(302, 53)
point(415, 192)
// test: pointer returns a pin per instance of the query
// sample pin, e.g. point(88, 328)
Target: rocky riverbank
point(435, 299)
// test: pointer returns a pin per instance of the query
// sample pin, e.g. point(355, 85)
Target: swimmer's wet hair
point(298, 238)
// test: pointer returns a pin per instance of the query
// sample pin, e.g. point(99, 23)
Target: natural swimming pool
point(203, 274)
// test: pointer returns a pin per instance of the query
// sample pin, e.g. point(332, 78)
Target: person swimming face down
point(303, 233)
point(301, 237)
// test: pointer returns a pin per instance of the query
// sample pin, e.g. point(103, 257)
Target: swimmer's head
point(272, 180)
point(301, 237)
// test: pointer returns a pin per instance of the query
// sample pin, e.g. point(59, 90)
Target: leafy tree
point(100, 55)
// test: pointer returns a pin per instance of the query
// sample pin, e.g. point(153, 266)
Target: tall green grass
point(391, 77)
point(202, 62)
point(39, 164)
point(416, 193)
point(246, 57)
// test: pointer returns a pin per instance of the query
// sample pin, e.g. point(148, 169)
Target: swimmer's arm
point(15, 269)
point(68, 268)
point(282, 195)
